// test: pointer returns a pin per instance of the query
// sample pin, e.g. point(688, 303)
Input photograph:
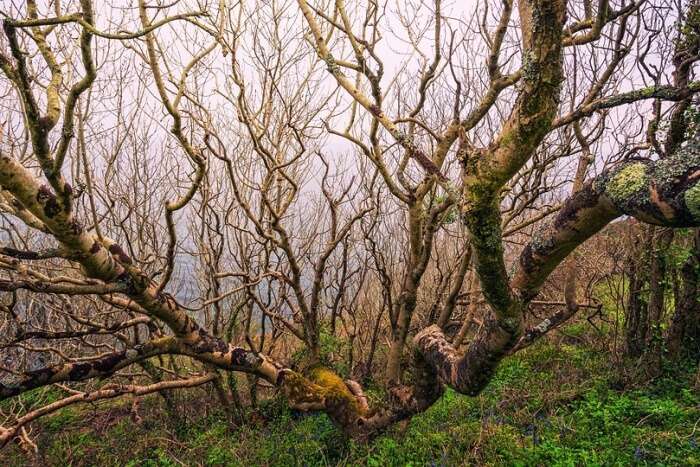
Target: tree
point(241, 185)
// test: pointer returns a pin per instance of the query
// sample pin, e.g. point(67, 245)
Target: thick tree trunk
point(665, 192)
point(406, 305)
point(420, 231)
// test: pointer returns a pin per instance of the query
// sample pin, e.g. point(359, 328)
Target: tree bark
point(684, 332)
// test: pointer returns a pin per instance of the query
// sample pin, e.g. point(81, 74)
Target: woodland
point(375, 232)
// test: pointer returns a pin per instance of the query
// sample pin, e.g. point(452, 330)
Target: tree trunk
point(684, 332)
point(636, 316)
point(657, 299)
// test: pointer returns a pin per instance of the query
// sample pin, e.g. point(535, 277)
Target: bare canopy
point(236, 183)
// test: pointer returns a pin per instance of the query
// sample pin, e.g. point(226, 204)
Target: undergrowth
point(553, 404)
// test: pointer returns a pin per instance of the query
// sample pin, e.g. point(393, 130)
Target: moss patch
point(629, 181)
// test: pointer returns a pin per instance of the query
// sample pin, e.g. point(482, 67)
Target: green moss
point(648, 91)
point(628, 182)
point(329, 381)
point(692, 200)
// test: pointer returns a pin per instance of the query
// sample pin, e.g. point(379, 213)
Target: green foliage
point(332, 350)
point(62, 419)
point(34, 398)
point(548, 405)
point(560, 402)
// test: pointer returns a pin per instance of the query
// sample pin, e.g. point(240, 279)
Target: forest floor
point(560, 402)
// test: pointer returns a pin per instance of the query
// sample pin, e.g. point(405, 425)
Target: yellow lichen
point(628, 182)
point(300, 390)
point(334, 387)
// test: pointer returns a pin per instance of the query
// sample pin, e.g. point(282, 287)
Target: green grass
point(553, 404)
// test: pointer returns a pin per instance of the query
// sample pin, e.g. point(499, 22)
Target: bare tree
point(204, 211)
